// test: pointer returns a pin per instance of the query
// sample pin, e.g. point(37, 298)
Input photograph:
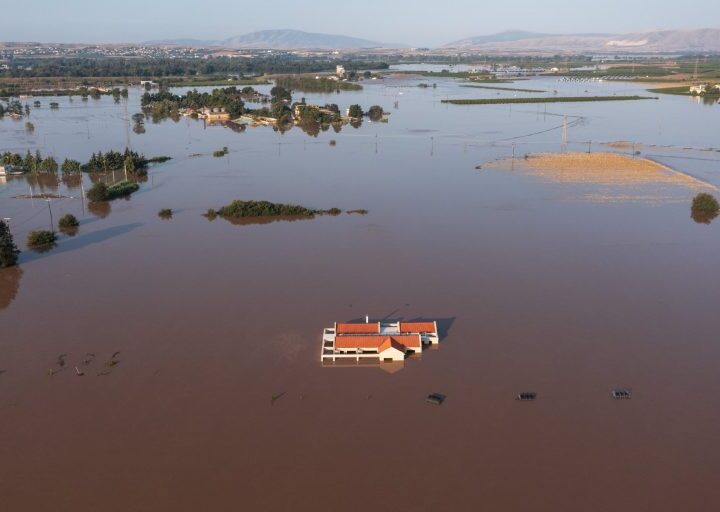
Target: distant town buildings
point(379, 341)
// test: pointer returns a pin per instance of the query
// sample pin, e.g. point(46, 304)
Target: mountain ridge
point(283, 39)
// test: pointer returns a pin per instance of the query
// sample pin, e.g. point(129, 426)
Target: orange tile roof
point(418, 327)
point(389, 342)
point(346, 328)
point(409, 340)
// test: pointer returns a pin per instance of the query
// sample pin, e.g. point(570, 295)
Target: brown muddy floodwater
point(206, 391)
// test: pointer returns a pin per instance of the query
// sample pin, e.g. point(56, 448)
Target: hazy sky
point(415, 22)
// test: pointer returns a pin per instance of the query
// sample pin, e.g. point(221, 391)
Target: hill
point(659, 41)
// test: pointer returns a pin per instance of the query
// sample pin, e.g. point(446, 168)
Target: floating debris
point(88, 358)
point(104, 372)
point(112, 361)
point(526, 396)
point(276, 397)
point(79, 372)
point(61, 359)
point(435, 398)
point(621, 394)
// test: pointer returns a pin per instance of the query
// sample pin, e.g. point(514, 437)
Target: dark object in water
point(435, 398)
point(79, 372)
point(526, 396)
point(478, 167)
point(621, 394)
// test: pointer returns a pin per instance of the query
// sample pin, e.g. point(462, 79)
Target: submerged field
point(548, 99)
point(205, 390)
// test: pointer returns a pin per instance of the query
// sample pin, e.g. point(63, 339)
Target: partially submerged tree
point(375, 113)
point(49, 165)
point(98, 192)
point(41, 240)
point(706, 203)
point(704, 208)
point(355, 112)
point(68, 221)
point(70, 166)
point(8, 250)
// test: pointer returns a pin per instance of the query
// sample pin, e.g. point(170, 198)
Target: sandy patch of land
point(609, 169)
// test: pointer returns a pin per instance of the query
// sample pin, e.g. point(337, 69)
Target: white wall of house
point(392, 353)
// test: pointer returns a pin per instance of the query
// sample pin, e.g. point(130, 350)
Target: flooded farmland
point(199, 340)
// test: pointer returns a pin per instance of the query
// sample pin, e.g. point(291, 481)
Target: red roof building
point(384, 341)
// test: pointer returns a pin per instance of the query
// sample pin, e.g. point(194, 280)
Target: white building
point(340, 71)
point(8, 170)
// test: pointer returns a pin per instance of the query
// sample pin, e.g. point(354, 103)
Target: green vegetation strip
point(683, 91)
point(567, 99)
point(502, 88)
point(240, 209)
point(312, 84)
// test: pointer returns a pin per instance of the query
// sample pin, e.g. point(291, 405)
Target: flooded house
point(213, 114)
point(383, 341)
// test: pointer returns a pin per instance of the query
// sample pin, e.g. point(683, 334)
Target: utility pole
point(127, 127)
point(52, 226)
point(564, 134)
point(82, 192)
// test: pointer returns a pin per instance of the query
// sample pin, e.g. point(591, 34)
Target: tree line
point(165, 67)
point(110, 161)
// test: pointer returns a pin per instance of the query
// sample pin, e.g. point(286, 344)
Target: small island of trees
point(252, 209)
point(239, 209)
point(100, 192)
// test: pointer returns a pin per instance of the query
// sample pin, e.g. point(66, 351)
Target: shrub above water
point(704, 208)
point(98, 192)
point(68, 221)
point(705, 203)
point(41, 239)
